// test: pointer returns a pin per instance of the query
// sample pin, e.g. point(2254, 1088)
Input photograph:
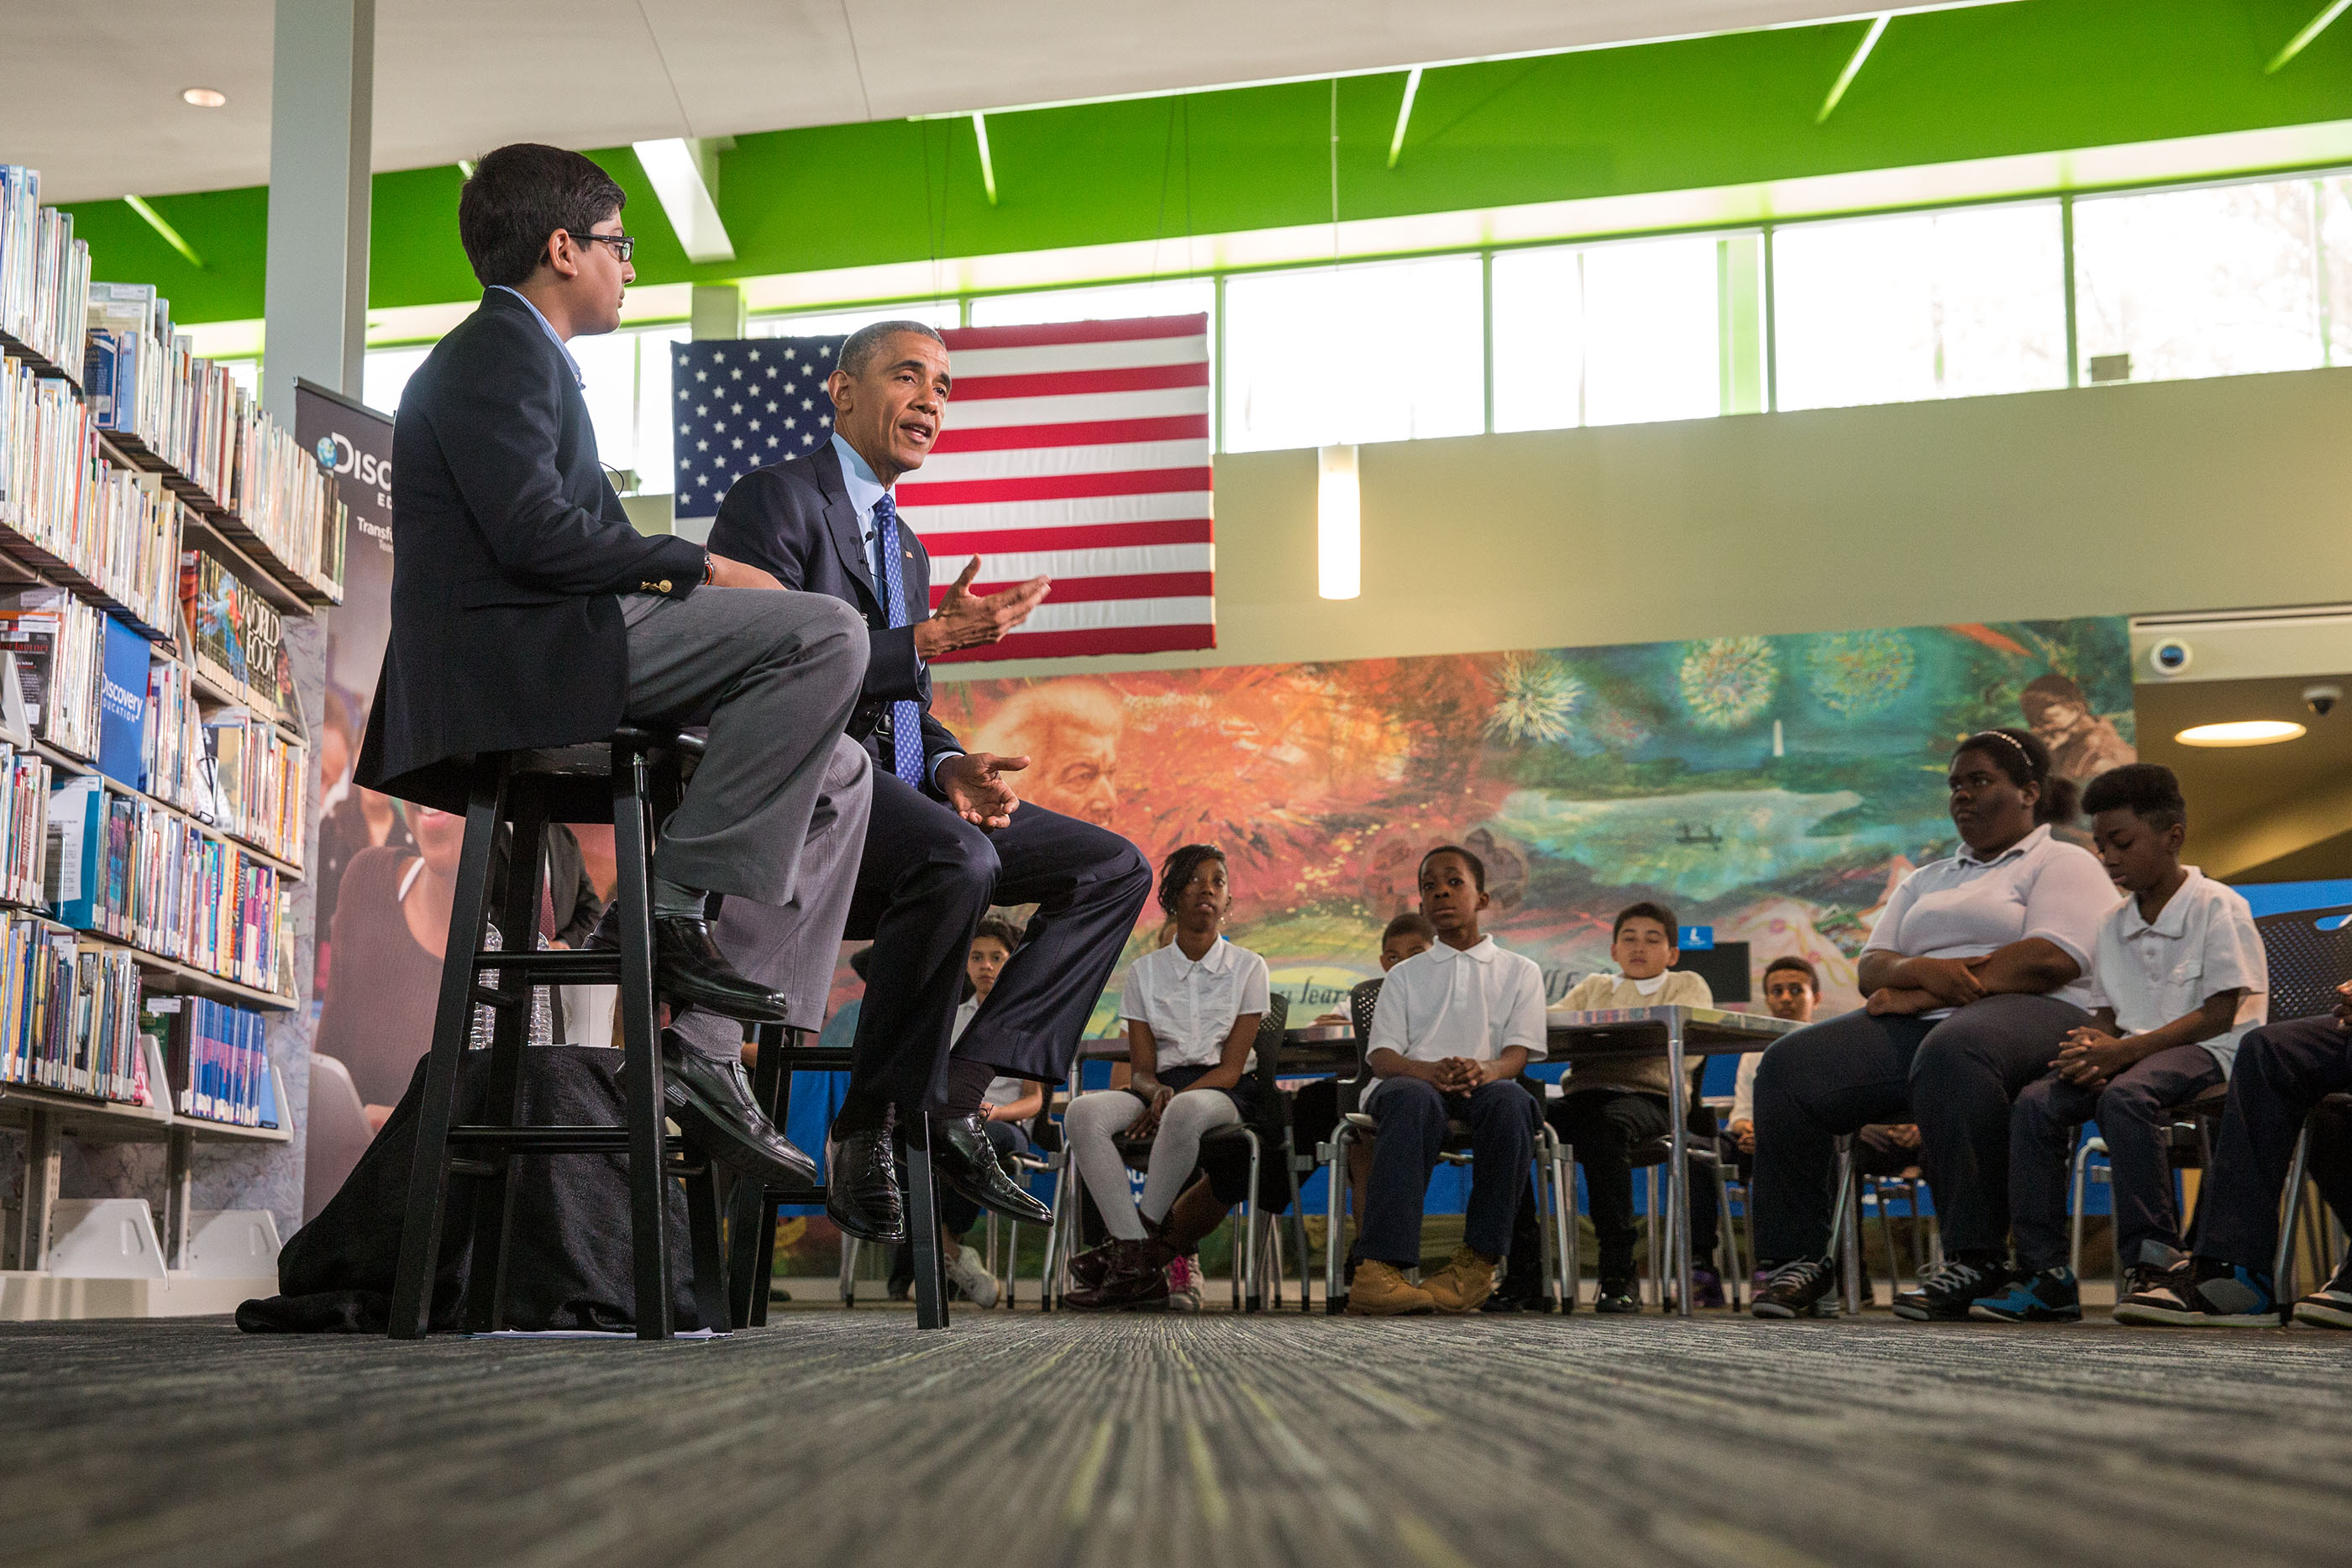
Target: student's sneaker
point(970, 1276)
point(1804, 1288)
point(1382, 1291)
point(1464, 1283)
point(1183, 1285)
point(2203, 1294)
point(1615, 1298)
point(2048, 1297)
point(1706, 1287)
point(1949, 1291)
point(1756, 1282)
point(2330, 1306)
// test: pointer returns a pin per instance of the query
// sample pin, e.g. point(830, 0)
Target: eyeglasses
point(622, 243)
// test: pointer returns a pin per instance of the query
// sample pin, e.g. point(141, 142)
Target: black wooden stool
point(632, 782)
point(752, 1217)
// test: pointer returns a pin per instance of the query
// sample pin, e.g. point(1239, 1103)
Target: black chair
point(752, 1213)
point(633, 780)
point(2310, 954)
point(1553, 1160)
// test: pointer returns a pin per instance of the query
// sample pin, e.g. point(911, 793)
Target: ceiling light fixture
point(2243, 732)
point(1338, 524)
point(204, 97)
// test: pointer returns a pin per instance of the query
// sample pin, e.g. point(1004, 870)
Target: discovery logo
point(338, 455)
point(121, 701)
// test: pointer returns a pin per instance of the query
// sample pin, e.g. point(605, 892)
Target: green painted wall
point(2038, 75)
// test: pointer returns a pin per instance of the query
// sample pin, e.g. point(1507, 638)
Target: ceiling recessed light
point(2244, 732)
point(204, 96)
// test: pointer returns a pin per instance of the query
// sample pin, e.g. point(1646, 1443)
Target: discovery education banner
point(1773, 787)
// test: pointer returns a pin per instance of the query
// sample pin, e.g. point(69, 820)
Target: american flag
point(1078, 449)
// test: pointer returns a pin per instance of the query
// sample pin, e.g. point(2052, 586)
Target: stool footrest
point(558, 967)
point(549, 1140)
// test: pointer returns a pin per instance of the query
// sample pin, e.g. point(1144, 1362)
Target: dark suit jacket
point(508, 548)
point(794, 519)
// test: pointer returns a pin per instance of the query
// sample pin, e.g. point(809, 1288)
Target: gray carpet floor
point(846, 1438)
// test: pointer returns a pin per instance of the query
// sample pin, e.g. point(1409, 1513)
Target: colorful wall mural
point(1773, 787)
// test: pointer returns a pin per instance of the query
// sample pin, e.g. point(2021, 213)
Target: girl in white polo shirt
point(1192, 1010)
point(1978, 969)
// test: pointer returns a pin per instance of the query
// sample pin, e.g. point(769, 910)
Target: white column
point(322, 92)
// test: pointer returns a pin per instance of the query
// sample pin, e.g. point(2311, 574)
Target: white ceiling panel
point(93, 94)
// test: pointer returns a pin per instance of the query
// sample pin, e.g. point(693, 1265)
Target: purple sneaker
point(1707, 1287)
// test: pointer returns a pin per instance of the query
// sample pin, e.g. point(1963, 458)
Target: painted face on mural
point(1070, 733)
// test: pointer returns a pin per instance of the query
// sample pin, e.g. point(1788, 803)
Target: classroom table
point(1679, 1033)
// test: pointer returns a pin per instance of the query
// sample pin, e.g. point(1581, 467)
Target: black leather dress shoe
point(964, 1159)
point(688, 967)
point(712, 1100)
point(861, 1186)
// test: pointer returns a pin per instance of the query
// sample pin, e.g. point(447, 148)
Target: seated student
point(1607, 1108)
point(1191, 1010)
point(1009, 1104)
point(1453, 1030)
point(2177, 977)
point(1975, 978)
point(2283, 1072)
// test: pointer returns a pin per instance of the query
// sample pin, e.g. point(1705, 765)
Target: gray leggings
point(1955, 1076)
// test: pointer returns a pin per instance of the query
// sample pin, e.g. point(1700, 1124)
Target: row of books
point(59, 643)
point(236, 633)
point(24, 778)
point(115, 525)
point(257, 778)
point(132, 870)
point(217, 1060)
point(44, 272)
point(68, 1014)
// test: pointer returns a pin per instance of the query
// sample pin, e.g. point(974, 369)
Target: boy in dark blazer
point(527, 612)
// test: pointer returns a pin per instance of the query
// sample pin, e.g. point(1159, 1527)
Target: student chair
point(1554, 1161)
point(632, 780)
point(781, 1053)
point(2310, 954)
point(2192, 1149)
point(2283, 1266)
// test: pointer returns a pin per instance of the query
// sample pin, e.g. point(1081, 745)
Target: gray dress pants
point(794, 947)
point(774, 676)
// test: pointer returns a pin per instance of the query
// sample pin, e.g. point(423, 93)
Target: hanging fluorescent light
point(2244, 732)
point(1338, 524)
point(684, 174)
point(203, 97)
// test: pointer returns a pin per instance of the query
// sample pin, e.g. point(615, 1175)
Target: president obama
point(948, 835)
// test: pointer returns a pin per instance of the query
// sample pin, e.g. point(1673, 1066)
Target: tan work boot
point(1382, 1291)
point(1464, 1284)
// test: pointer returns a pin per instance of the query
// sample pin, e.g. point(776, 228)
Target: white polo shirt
point(2203, 943)
point(1964, 907)
point(1191, 1008)
point(1447, 1002)
point(1001, 1090)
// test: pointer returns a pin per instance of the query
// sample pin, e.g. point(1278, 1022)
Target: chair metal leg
point(1008, 1283)
point(752, 1213)
point(420, 1230)
point(641, 1093)
point(1298, 1226)
point(1886, 1235)
point(2078, 1184)
point(511, 1003)
point(1727, 1238)
point(923, 1228)
point(849, 1245)
point(1254, 1300)
point(2283, 1280)
point(1845, 1239)
point(710, 1293)
point(1565, 1250)
point(1657, 1291)
point(1335, 1190)
point(1572, 1237)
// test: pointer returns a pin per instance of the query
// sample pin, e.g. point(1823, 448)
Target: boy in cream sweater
point(1609, 1108)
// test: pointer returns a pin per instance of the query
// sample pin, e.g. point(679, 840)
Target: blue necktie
point(906, 717)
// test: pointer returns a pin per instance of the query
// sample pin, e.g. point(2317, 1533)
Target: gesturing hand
point(966, 620)
point(975, 786)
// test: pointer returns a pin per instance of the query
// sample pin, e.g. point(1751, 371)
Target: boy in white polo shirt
point(1454, 1029)
point(2178, 976)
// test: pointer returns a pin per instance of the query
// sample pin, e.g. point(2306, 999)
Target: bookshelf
point(137, 481)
